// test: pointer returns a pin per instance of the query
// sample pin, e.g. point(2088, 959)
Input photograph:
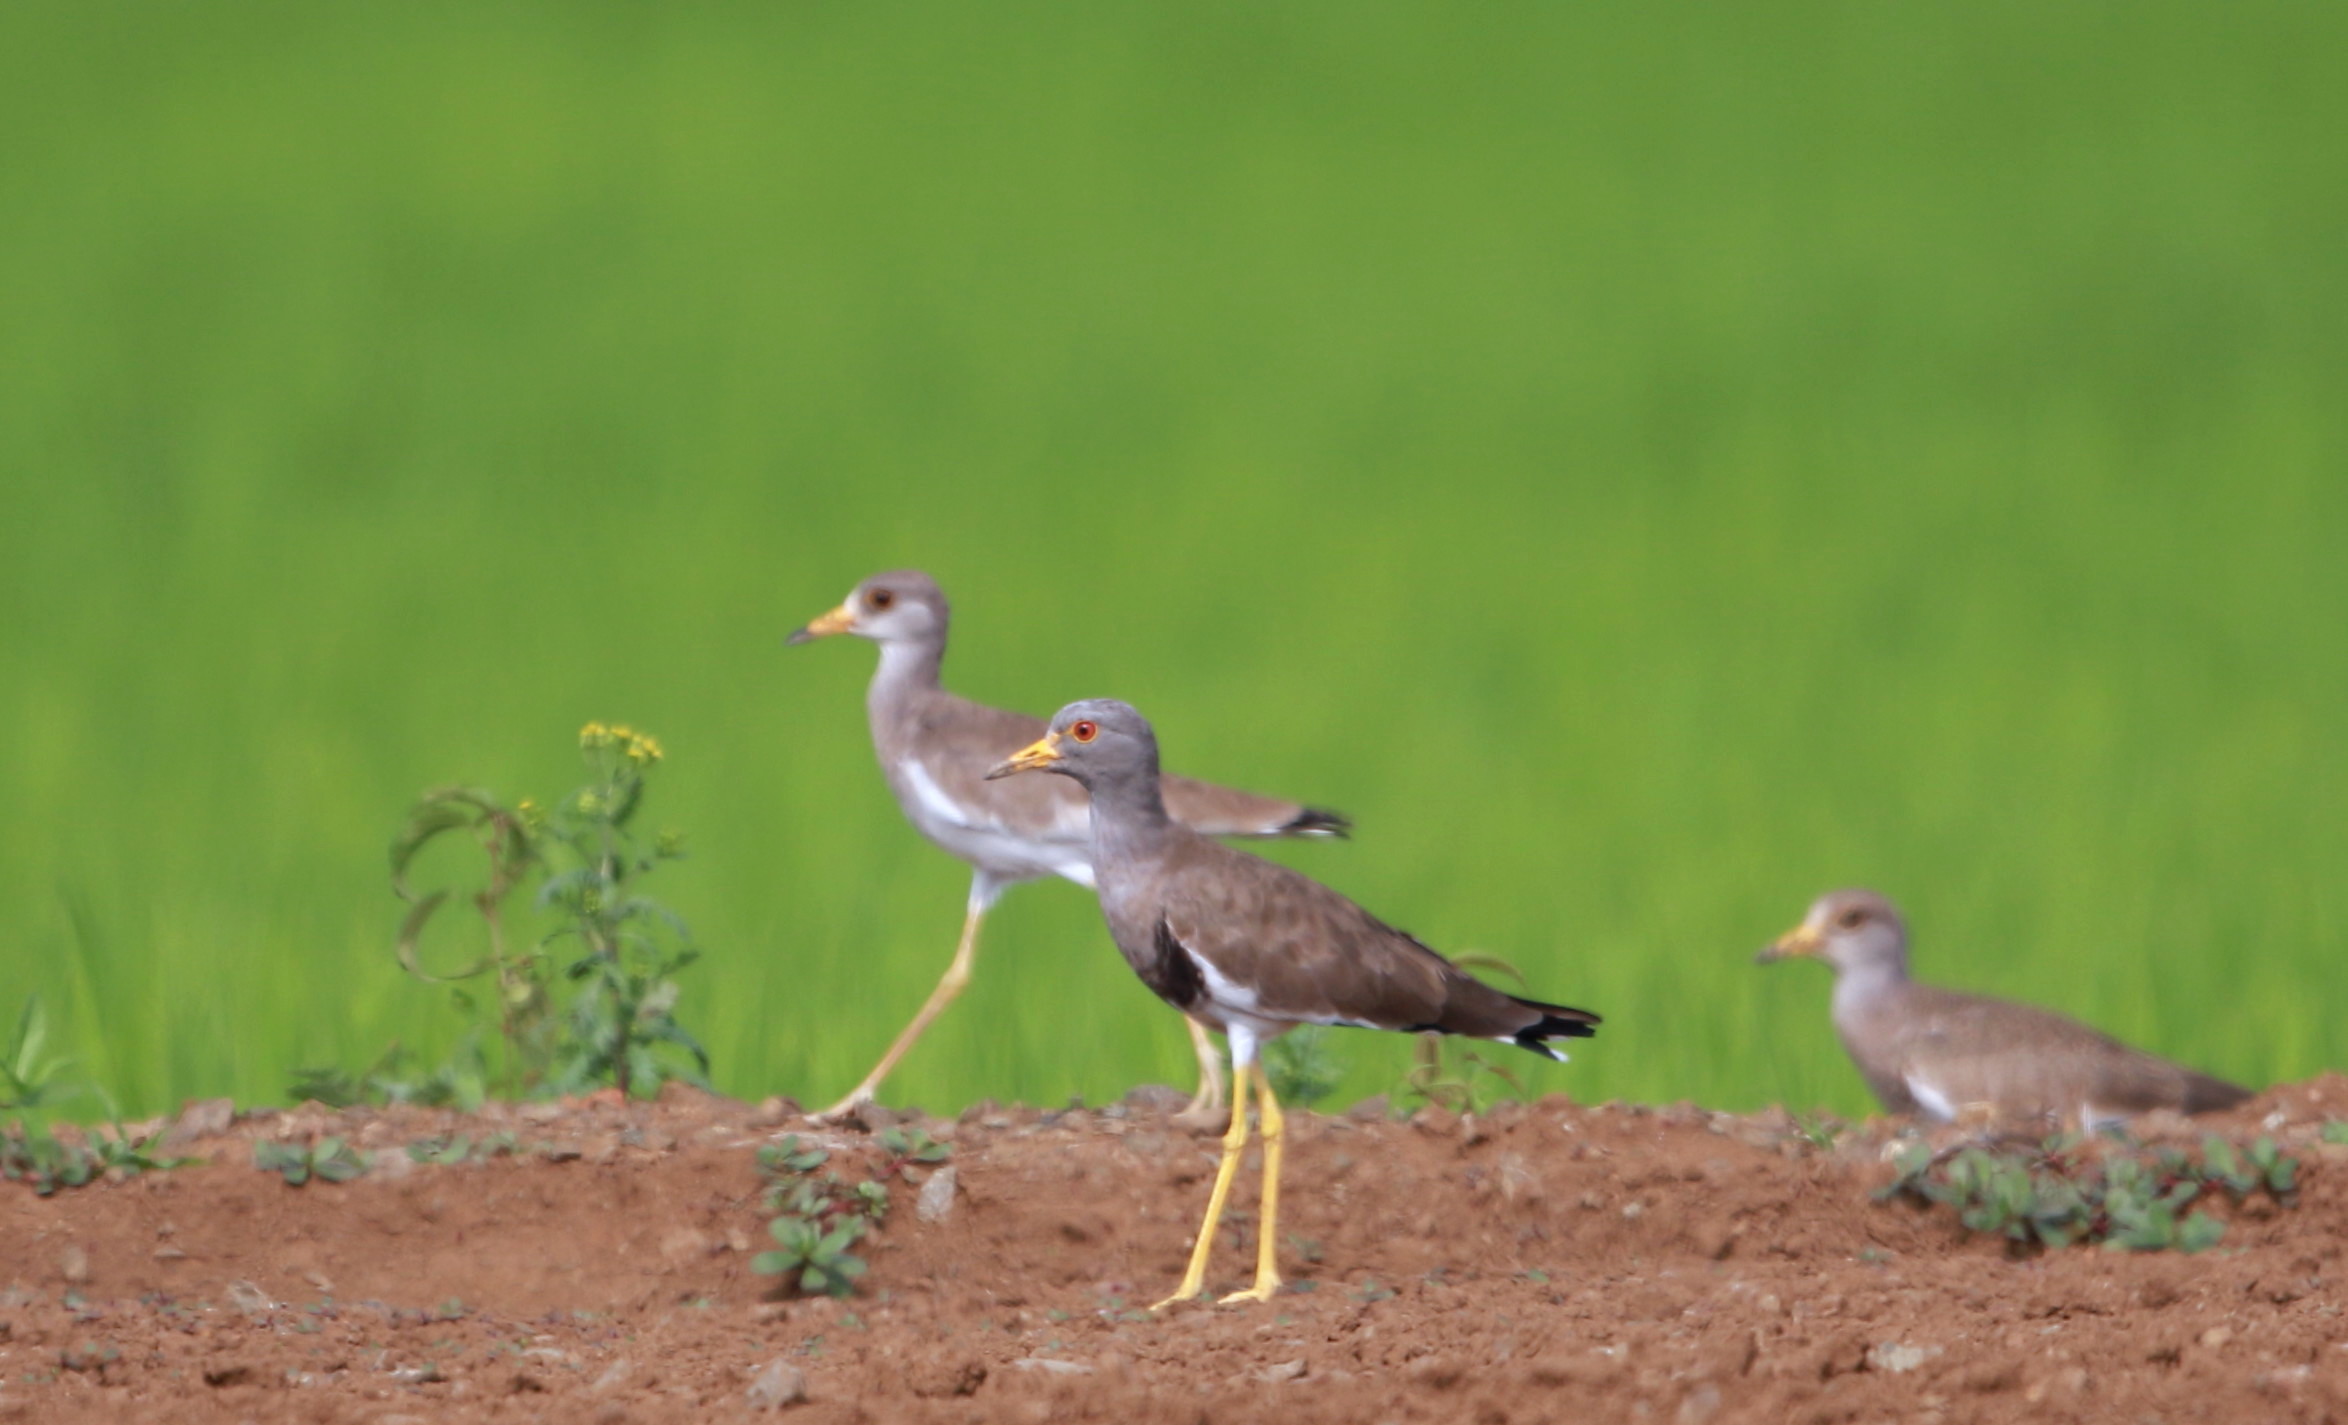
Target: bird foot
point(842, 1111)
point(1176, 1299)
point(1202, 1119)
point(1264, 1290)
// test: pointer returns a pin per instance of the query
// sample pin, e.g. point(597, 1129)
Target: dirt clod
point(936, 1202)
point(1895, 1357)
point(778, 1385)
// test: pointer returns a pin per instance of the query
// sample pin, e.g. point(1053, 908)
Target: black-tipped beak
point(839, 620)
point(1799, 941)
point(1038, 755)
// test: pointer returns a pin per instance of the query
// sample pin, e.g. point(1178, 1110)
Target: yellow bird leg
point(1205, 1109)
point(1234, 1142)
point(1269, 1124)
point(957, 977)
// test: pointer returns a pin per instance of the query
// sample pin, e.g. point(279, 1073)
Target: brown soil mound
point(1549, 1262)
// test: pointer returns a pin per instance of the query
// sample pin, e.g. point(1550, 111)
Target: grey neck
point(1128, 816)
point(906, 665)
point(1862, 986)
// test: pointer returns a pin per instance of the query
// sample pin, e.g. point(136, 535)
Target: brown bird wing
point(1976, 1049)
point(1226, 811)
point(956, 740)
point(1285, 948)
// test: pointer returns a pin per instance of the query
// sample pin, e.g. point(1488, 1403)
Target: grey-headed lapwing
point(935, 749)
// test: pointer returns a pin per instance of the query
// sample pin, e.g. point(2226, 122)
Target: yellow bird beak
point(1035, 756)
point(839, 620)
point(1801, 940)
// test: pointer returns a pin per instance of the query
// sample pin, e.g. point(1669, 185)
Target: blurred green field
point(1647, 466)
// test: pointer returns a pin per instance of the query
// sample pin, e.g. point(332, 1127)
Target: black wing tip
point(2206, 1093)
point(1316, 821)
point(1557, 1021)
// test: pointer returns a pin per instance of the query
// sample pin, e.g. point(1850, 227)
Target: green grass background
point(1648, 465)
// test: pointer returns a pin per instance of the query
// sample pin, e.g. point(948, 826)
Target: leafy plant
point(1303, 1066)
point(49, 1163)
point(911, 1145)
point(1820, 1130)
point(444, 1151)
point(449, 1149)
point(619, 1025)
point(821, 1215)
point(460, 1081)
point(1447, 1074)
point(30, 1077)
point(2124, 1196)
point(2336, 1131)
point(776, 1160)
point(1450, 1076)
point(329, 1159)
point(820, 1258)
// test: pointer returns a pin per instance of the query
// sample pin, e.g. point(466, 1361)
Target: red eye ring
point(1084, 731)
point(879, 599)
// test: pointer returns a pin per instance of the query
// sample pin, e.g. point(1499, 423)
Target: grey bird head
point(1850, 930)
point(1100, 742)
point(903, 606)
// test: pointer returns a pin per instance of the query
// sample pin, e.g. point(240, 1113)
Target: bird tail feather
point(1557, 1021)
point(1316, 821)
point(2204, 1094)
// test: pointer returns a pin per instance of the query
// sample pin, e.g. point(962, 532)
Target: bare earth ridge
point(1548, 1262)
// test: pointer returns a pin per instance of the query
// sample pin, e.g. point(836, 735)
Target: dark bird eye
point(879, 599)
point(1084, 731)
point(1852, 919)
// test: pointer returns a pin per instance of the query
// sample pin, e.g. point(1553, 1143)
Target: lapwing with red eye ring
point(935, 749)
point(1254, 949)
point(1945, 1056)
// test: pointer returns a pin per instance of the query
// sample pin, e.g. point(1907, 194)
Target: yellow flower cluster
point(642, 748)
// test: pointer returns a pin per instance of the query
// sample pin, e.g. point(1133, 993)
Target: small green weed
point(2121, 1194)
point(82, 1356)
point(450, 1149)
point(1303, 1066)
point(821, 1215)
point(329, 1159)
point(1446, 1074)
point(31, 1077)
point(1820, 1130)
point(910, 1145)
point(820, 1259)
point(48, 1163)
point(2336, 1132)
point(777, 1160)
point(460, 1081)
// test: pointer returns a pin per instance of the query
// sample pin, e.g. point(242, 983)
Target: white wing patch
point(1238, 1003)
point(935, 804)
point(1227, 993)
point(983, 841)
point(1929, 1097)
